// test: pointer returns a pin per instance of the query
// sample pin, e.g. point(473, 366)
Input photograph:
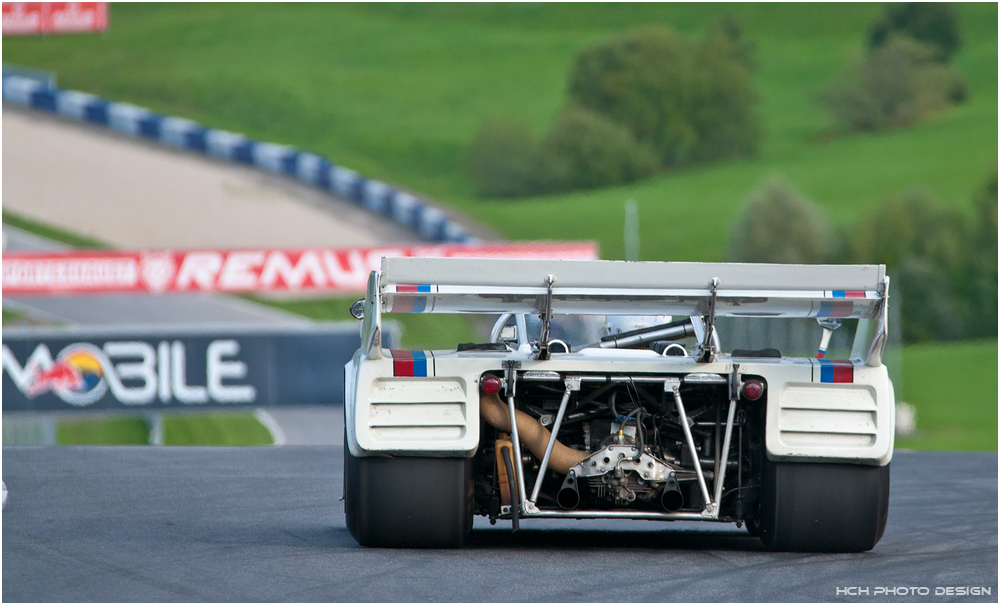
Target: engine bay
point(628, 447)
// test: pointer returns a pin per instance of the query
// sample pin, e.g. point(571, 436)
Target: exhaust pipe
point(672, 331)
point(671, 499)
point(569, 494)
point(532, 434)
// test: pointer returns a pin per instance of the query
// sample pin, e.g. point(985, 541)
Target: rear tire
point(408, 502)
point(810, 507)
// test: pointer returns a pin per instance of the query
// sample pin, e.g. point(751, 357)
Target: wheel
point(751, 525)
point(815, 507)
point(408, 502)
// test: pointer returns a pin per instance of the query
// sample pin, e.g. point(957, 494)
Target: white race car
point(640, 418)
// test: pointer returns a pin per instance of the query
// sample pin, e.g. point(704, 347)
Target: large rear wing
point(447, 285)
point(426, 285)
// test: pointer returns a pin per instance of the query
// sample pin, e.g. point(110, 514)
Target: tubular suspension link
point(674, 384)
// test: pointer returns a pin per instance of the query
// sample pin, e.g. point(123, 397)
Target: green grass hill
point(396, 91)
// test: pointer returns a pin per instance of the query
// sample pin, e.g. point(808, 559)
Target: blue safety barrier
point(310, 168)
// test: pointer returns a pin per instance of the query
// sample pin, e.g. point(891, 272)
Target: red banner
point(323, 270)
point(34, 18)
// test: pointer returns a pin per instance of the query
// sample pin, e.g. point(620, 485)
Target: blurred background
point(792, 133)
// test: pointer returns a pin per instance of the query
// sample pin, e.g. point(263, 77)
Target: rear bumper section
point(436, 416)
point(851, 423)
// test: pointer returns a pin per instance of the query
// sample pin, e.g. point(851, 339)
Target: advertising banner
point(326, 270)
point(37, 18)
point(116, 368)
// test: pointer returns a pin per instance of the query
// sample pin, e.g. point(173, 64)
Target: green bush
point(911, 225)
point(944, 267)
point(896, 84)
point(978, 284)
point(724, 115)
point(688, 101)
point(779, 225)
point(501, 159)
point(932, 23)
point(645, 99)
point(926, 295)
point(583, 150)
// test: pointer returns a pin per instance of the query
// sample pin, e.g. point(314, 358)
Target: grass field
point(214, 429)
point(11, 316)
point(238, 428)
point(49, 232)
point(122, 430)
point(397, 90)
point(954, 388)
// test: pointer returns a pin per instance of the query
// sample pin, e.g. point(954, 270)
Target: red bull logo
point(77, 376)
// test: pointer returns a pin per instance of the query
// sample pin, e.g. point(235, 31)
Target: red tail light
point(492, 384)
point(753, 389)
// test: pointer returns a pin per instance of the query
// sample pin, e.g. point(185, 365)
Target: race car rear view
point(604, 392)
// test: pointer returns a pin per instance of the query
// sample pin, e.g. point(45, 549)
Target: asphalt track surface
point(265, 524)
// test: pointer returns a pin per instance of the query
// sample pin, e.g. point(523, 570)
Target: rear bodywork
point(691, 445)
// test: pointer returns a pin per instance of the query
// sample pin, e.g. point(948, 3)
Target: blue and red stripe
point(835, 308)
point(848, 293)
point(836, 370)
point(409, 363)
point(407, 304)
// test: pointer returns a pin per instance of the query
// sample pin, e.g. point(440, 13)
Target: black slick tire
point(814, 507)
point(408, 502)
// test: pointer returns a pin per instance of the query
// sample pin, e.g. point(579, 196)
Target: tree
point(584, 150)
point(921, 245)
point(932, 23)
point(978, 286)
point(688, 101)
point(895, 85)
point(911, 225)
point(779, 225)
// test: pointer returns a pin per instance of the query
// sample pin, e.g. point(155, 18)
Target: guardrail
point(151, 369)
point(310, 168)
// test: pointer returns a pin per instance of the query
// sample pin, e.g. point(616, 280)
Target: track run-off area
point(267, 524)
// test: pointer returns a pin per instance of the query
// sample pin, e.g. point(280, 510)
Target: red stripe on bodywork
point(402, 367)
point(843, 371)
point(402, 362)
